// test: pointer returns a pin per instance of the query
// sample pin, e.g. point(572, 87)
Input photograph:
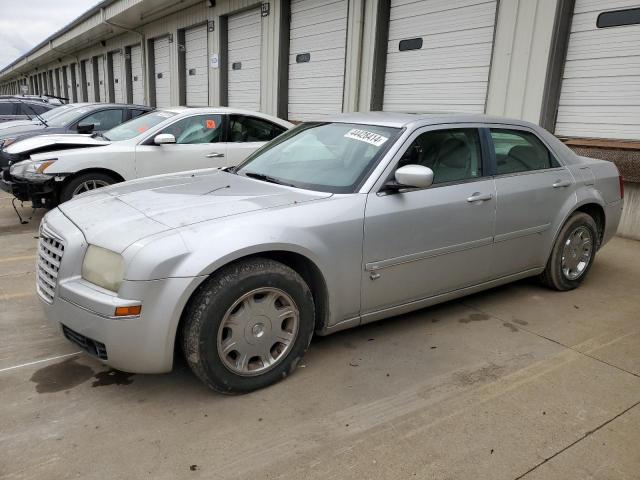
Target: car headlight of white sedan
point(103, 267)
point(30, 170)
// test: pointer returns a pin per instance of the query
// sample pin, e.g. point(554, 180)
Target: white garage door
point(244, 47)
point(102, 84)
point(137, 79)
point(88, 65)
point(316, 58)
point(78, 85)
point(162, 61)
point(116, 65)
point(197, 74)
point(438, 55)
point(600, 94)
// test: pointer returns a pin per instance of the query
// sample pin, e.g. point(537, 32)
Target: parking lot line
point(38, 361)
point(17, 259)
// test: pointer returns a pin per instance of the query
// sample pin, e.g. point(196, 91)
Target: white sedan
point(163, 141)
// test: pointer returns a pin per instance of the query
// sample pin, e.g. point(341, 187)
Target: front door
point(423, 242)
point(197, 146)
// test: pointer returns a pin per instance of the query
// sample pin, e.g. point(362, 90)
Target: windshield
point(137, 126)
point(328, 157)
point(68, 116)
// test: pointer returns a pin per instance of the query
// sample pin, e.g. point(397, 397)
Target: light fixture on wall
point(212, 3)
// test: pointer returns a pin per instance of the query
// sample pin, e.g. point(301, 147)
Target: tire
point(217, 320)
point(555, 276)
point(68, 191)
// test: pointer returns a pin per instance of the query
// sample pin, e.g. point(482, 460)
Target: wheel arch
point(105, 171)
point(301, 264)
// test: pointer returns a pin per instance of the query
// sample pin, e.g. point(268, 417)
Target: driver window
point(520, 151)
point(453, 155)
point(196, 129)
point(104, 120)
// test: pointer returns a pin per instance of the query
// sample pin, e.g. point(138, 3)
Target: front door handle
point(214, 155)
point(478, 197)
point(561, 183)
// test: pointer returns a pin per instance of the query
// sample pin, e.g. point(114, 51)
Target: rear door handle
point(561, 183)
point(214, 155)
point(478, 197)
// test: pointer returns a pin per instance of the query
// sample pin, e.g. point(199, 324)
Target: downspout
point(143, 50)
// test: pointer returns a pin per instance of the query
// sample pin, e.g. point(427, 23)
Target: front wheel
point(248, 326)
point(84, 183)
point(573, 253)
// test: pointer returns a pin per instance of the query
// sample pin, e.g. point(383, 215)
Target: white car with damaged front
point(164, 141)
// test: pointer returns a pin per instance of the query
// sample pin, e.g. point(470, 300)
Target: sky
point(26, 23)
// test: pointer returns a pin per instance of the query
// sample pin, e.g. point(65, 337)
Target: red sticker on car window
point(210, 124)
point(142, 128)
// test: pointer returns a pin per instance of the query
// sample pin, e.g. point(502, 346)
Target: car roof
point(401, 120)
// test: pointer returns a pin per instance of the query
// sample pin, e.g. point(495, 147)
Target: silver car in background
point(332, 225)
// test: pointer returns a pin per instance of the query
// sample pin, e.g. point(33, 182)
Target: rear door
point(532, 188)
point(246, 134)
point(198, 145)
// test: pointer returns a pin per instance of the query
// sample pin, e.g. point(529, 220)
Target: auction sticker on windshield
point(366, 136)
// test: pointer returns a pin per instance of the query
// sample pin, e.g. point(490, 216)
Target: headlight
point(6, 142)
point(32, 170)
point(103, 267)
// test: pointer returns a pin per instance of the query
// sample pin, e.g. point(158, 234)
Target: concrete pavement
point(517, 382)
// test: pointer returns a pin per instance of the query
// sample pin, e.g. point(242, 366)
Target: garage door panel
point(244, 49)
point(162, 63)
point(137, 79)
point(196, 66)
point(600, 92)
point(318, 28)
point(450, 71)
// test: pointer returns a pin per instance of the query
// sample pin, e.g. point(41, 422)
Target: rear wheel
point(573, 253)
point(248, 326)
point(85, 183)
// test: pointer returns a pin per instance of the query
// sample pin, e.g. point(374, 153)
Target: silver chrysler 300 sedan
point(331, 225)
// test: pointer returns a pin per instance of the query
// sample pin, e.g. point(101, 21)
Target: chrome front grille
point(50, 251)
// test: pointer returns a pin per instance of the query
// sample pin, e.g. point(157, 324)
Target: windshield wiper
point(34, 112)
point(267, 178)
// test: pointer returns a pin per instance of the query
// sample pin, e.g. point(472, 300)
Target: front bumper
point(41, 194)
point(84, 312)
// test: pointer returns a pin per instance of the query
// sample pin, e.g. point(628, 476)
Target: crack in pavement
point(585, 435)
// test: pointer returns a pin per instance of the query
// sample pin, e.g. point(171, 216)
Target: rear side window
point(520, 151)
point(252, 129)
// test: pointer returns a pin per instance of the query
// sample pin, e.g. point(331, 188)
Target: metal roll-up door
point(439, 55)
point(79, 89)
point(65, 81)
point(600, 93)
point(137, 79)
point(102, 84)
point(162, 63)
point(244, 53)
point(116, 75)
point(317, 50)
point(197, 71)
point(88, 67)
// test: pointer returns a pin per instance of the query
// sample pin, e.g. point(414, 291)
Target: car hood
point(19, 130)
point(117, 216)
point(60, 140)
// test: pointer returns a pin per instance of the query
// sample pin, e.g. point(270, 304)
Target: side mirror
point(413, 176)
point(86, 127)
point(164, 138)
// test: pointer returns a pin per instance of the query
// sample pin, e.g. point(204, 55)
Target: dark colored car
point(24, 108)
point(76, 118)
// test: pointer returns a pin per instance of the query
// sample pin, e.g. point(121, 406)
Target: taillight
point(621, 186)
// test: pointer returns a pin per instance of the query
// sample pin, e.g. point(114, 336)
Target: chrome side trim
point(521, 233)
point(414, 257)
